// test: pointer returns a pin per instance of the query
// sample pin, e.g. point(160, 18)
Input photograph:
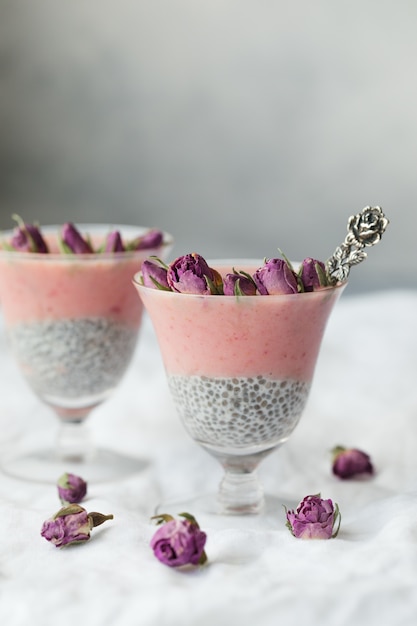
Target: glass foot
point(44, 466)
point(209, 513)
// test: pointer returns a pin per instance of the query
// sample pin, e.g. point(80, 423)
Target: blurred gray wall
point(240, 126)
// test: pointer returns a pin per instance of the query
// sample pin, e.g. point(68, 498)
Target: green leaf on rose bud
point(70, 509)
point(245, 274)
point(336, 451)
point(214, 289)
point(162, 518)
point(324, 281)
point(286, 259)
point(157, 284)
point(63, 247)
point(190, 518)
point(160, 261)
point(236, 288)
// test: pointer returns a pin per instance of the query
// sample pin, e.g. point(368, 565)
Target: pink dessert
point(239, 367)
point(72, 319)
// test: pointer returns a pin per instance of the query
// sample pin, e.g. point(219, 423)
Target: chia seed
point(73, 358)
point(239, 412)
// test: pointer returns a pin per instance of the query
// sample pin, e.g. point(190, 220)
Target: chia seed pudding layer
point(239, 412)
point(73, 358)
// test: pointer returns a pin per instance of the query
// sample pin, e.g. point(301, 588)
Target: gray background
point(240, 126)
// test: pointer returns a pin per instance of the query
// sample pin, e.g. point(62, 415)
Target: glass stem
point(240, 492)
point(74, 442)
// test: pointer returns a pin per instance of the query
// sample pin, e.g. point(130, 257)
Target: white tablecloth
point(364, 395)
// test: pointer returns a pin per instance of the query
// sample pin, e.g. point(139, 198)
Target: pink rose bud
point(276, 278)
point(114, 242)
point(154, 275)
point(72, 240)
point(191, 274)
point(71, 524)
point(238, 285)
point(152, 239)
point(348, 463)
point(313, 274)
point(71, 488)
point(28, 238)
point(314, 518)
point(179, 542)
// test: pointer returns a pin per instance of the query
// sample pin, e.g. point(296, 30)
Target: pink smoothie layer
point(224, 336)
point(37, 287)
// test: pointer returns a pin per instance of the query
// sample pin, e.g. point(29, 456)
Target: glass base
point(208, 511)
point(43, 466)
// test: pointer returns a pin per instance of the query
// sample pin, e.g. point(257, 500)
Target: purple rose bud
point(28, 238)
point(154, 275)
point(152, 239)
point(179, 542)
point(275, 278)
point(191, 274)
point(238, 285)
point(313, 274)
point(314, 518)
point(71, 488)
point(72, 524)
point(114, 242)
point(73, 241)
point(348, 463)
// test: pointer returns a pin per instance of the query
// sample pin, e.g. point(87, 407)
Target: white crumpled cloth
point(364, 395)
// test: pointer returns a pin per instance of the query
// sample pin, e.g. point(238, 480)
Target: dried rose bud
point(152, 239)
point(179, 542)
point(313, 274)
point(114, 242)
point(351, 462)
point(191, 274)
point(238, 284)
point(73, 242)
point(71, 488)
point(314, 518)
point(154, 275)
point(276, 277)
point(71, 524)
point(28, 238)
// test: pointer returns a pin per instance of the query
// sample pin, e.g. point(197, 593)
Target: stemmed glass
point(239, 369)
point(72, 321)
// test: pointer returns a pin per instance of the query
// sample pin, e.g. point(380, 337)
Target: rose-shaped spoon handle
point(364, 230)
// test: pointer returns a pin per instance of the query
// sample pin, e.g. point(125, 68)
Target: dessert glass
point(72, 321)
point(239, 369)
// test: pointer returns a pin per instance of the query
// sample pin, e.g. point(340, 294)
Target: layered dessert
point(72, 315)
point(240, 367)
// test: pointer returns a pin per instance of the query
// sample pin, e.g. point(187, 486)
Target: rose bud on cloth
point(276, 277)
point(191, 274)
point(154, 274)
point(238, 284)
point(28, 238)
point(71, 488)
point(351, 462)
point(73, 242)
point(71, 524)
point(179, 542)
point(312, 274)
point(314, 518)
